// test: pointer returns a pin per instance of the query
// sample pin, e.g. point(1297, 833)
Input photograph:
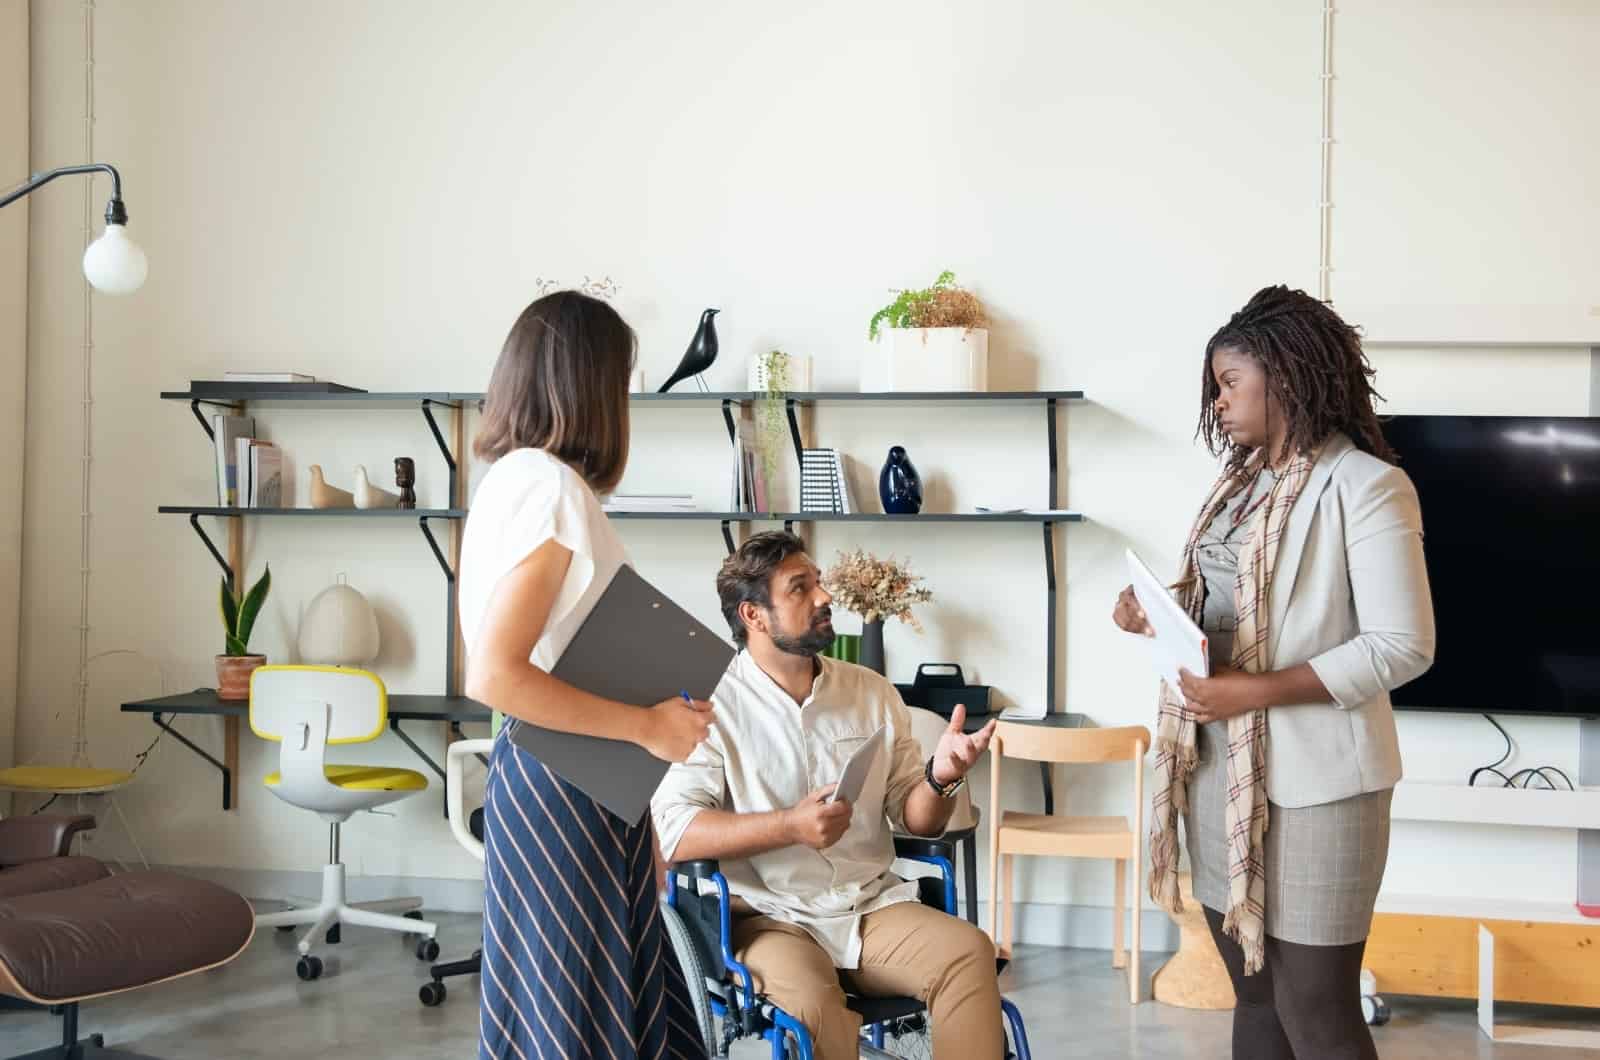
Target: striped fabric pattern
point(575, 959)
point(1245, 818)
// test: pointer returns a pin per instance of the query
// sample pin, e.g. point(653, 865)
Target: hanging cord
point(161, 674)
point(1325, 200)
point(80, 740)
point(1526, 776)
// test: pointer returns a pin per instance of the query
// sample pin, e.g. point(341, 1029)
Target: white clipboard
point(853, 778)
point(1178, 642)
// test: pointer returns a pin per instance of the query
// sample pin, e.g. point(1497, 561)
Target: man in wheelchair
point(816, 910)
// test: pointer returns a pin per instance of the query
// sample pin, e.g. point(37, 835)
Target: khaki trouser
point(906, 949)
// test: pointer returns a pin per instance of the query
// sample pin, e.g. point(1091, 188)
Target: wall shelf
point(854, 517)
point(240, 399)
point(330, 513)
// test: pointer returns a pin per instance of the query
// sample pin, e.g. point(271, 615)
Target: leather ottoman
point(120, 933)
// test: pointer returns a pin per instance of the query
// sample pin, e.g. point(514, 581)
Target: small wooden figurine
point(405, 477)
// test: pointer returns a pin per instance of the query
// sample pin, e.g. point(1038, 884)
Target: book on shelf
point(226, 431)
point(649, 502)
point(260, 467)
point(267, 377)
point(822, 482)
point(751, 490)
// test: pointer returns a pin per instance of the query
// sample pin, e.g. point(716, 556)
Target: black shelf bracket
point(227, 774)
point(194, 407)
point(200, 418)
point(794, 435)
point(727, 419)
point(727, 536)
point(394, 726)
point(438, 437)
point(227, 571)
point(1050, 596)
point(438, 553)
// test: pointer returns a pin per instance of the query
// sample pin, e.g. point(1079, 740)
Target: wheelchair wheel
point(908, 1038)
point(693, 973)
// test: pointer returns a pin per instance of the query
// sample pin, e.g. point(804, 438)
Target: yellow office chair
point(304, 709)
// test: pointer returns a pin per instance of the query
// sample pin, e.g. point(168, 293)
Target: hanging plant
point(772, 409)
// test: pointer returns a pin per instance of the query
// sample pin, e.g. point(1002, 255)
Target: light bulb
point(114, 263)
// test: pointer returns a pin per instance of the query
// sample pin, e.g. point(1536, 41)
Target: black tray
point(940, 692)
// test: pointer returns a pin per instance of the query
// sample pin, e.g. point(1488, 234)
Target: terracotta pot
point(233, 675)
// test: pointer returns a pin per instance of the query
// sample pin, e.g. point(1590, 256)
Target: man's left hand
point(959, 751)
point(1223, 695)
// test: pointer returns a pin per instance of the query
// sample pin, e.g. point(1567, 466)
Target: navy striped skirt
point(575, 960)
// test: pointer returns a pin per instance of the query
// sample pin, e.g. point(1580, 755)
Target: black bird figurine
point(701, 353)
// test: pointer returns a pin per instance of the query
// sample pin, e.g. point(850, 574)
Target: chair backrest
point(356, 702)
point(928, 727)
point(1037, 743)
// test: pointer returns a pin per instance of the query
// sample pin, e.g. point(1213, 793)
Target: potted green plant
point(236, 663)
point(935, 339)
point(875, 589)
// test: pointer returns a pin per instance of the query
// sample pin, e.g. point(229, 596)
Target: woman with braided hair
point(1305, 569)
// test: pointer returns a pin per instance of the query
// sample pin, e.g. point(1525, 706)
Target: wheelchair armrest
point(704, 869)
point(918, 848)
point(940, 853)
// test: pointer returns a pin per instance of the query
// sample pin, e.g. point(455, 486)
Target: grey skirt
point(1324, 864)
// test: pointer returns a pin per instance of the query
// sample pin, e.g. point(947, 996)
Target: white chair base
point(334, 909)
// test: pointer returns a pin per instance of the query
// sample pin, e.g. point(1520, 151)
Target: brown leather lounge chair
point(71, 932)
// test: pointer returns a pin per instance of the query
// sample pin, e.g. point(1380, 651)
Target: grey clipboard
point(639, 647)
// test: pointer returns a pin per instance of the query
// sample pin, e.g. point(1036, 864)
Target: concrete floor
point(366, 1005)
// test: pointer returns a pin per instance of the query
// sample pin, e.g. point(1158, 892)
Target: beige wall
point(367, 191)
point(13, 347)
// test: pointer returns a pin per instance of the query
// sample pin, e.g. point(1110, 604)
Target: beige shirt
point(766, 753)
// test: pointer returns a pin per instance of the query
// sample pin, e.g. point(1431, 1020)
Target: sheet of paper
point(854, 776)
point(1178, 641)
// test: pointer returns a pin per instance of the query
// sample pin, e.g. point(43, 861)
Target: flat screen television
point(1511, 531)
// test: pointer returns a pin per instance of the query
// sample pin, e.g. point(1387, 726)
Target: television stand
point(1491, 949)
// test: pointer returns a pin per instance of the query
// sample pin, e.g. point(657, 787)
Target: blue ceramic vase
point(899, 485)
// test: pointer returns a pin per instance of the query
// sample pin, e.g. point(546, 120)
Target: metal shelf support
point(227, 571)
point(227, 774)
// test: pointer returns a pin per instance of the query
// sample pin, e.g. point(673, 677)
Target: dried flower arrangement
point(944, 305)
point(876, 589)
point(603, 289)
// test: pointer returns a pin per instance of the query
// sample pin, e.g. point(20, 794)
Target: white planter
point(797, 379)
point(928, 359)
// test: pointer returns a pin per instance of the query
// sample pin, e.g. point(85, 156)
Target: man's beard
point(810, 643)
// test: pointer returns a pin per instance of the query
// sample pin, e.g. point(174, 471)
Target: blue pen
point(685, 696)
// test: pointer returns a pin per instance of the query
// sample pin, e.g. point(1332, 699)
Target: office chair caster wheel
point(309, 968)
point(432, 994)
point(1375, 1011)
point(333, 935)
point(428, 950)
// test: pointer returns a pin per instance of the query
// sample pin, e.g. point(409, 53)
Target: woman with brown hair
point(1305, 569)
point(574, 959)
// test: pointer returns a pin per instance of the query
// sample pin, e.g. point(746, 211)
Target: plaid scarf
point(1246, 815)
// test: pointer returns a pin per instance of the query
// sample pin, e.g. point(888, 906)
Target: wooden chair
point(1041, 835)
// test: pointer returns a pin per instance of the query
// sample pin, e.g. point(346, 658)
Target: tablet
point(1178, 642)
point(854, 776)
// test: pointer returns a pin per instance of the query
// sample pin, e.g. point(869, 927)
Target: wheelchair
point(700, 928)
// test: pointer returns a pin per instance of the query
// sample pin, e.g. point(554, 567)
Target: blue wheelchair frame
point(746, 1013)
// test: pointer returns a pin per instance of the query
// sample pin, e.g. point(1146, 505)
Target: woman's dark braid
point(1314, 365)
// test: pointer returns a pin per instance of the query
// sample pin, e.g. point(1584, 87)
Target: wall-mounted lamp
point(113, 263)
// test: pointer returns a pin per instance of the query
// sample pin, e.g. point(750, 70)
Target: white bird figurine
point(370, 496)
point(326, 496)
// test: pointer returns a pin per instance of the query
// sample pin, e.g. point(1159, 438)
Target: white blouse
point(527, 498)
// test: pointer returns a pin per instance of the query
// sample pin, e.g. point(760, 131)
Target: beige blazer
point(1350, 596)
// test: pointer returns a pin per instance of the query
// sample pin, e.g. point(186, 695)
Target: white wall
point(367, 192)
point(13, 345)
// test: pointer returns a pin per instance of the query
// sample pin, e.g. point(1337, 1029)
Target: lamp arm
point(115, 213)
